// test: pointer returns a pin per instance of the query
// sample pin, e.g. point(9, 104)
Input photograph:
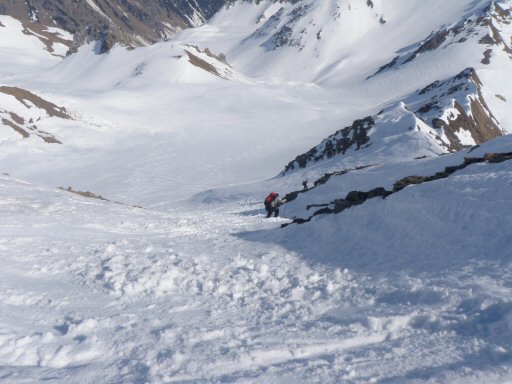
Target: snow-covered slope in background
point(25, 51)
point(108, 22)
point(238, 97)
point(167, 104)
point(338, 42)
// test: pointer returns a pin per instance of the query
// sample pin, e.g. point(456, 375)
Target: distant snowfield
point(167, 112)
point(135, 109)
point(194, 284)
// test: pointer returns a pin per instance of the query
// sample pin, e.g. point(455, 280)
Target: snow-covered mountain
point(444, 116)
point(445, 99)
point(134, 243)
point(130, 22)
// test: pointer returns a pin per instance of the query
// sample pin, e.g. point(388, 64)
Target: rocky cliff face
point(294, 24)
point(456, 108)
point(489, 28)
point(356, 137)
point(130, 22)
point(451, 113)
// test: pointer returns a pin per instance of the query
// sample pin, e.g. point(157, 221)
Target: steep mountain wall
point(452, 114)
point(110, 21)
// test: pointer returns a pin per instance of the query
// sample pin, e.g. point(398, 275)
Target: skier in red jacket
point(272, 203)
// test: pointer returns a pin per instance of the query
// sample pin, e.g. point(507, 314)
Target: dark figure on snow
point(272, 203)
point(305, 184)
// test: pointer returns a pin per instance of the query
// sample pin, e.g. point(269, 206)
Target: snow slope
point(164, 120)
point(177, 277)
point(24, 53)
point(95, 291)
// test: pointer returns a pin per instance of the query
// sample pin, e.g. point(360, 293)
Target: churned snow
point(412, 288)
point(180, 278)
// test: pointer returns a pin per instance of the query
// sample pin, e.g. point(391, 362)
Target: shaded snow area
point(415, 288)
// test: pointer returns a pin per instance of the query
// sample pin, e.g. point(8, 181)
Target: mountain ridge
point(115, 21)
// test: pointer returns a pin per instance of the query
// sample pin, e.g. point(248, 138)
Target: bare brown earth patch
point(27, 130)
point(48, 138)
point(16, 127)
point(46, 37)
point(30, 100)
point(91, 195)
point(200, 63)
point(84, 194)
point(17, 119)
point(22, 95)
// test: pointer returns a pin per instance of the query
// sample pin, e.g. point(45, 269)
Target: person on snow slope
point(272, 203)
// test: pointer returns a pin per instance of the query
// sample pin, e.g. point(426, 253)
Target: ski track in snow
point(99, 292)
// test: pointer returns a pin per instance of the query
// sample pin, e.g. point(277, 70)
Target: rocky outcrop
point(354, 137)
point(493, 19)
point(295, 24)
point(48, 36)
point(209, 62)
point(486, 28)
point(129, 22)
point(322, 180)
point(87, 194)
point(286, 35)
point(355, 198)
point(452, 113)
point(457, 109)
point(36, 108)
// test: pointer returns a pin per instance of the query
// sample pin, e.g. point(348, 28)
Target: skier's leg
point(276, 212)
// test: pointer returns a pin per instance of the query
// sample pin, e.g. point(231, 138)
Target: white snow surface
point(414, 288)
point(22, 54)
point(179, 277)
